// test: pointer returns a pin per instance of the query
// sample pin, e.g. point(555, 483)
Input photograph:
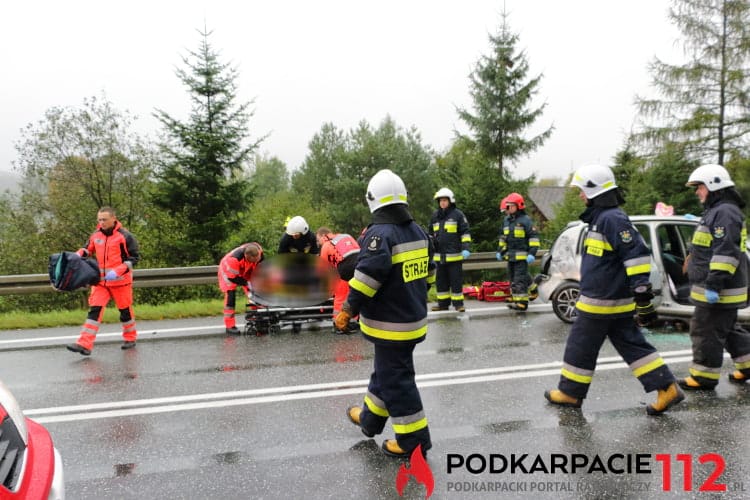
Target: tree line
point(203, 188)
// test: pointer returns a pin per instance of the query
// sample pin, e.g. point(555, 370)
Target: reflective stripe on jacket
point(717, 258)
point(615, 260)
point(117, 252)
point(389, 287)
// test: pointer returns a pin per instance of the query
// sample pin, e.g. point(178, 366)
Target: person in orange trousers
point(116, 251)
point(340, 251)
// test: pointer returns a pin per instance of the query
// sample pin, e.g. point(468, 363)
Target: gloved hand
point(712, 296)
point(111, 275)
point(465, 254)
point(342, 320)
point(498, 256)
point(645, 314)
point(530, 259)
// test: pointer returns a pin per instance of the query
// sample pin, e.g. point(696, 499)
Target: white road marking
point(309, 391)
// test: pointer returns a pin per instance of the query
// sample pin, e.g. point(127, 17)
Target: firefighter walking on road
point(518, 244)
point(389, 292)
point(717, 270)
point(615, 269)
point(450, 232)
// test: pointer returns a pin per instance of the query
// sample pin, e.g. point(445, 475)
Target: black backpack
point(68, 271)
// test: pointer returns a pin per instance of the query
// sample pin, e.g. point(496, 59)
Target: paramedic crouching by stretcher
point(236, 269)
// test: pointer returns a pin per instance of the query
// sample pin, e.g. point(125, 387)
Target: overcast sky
point(308, 62)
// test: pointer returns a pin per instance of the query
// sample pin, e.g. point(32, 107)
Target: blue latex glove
point(111, 275)
point(530, 259)
point(690, 217)
point(712, 297)
point(499, 256)
point(465, 254)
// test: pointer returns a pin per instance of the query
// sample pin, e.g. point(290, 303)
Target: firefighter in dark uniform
point(389, 292)
point(450, 231)
point(298, 238)
point(717, 270)
point(518, 244)
point(615, 269)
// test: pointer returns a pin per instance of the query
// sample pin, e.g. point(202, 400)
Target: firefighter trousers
point(449, 284)
point(582, 350)
point(392, 392)
point(711, 331)
point(520, 281)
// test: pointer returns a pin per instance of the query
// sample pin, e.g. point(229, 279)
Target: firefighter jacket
point(235, 270)
point(307, 243)
point(450, 232)
point(615, 260)
point(115, 250)
point(518, 237)
point(717, 258)
point(389, 287)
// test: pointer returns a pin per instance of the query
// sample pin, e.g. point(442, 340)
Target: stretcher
point(269, 320)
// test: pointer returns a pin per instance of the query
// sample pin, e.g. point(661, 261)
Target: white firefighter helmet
point(715, 177)
point(594, 180)
point(445, 193)
point(297, 224)
point(385, 188)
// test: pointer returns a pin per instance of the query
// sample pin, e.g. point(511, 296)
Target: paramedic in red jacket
point(235, 269)
point(116, 251)
point(341, 252)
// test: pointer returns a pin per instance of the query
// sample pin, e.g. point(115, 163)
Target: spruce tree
point(201, 184)
point(502, 95)
point(703, 103)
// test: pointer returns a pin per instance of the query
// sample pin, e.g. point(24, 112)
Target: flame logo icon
point(419, 470)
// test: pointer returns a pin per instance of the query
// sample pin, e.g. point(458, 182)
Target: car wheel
point(564, 301)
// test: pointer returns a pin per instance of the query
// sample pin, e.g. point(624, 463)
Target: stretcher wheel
point(296, 327)
point(274, 330)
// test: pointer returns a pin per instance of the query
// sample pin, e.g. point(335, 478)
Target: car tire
point(564, 301)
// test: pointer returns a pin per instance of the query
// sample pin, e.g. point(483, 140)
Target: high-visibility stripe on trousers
point(392, 392)
point(582, 350)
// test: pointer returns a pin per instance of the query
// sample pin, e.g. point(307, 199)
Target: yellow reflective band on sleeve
point(466, 238)
point(702, 239)
point(742, 366)
point(642, 269)
point(361, 287)
point(391, 335)
point(597, 243)
point(722, 266)
point(581, 379)
point(590, 308)
point(708, 375)
point(648, 367)
point(380, 412)
point(409, 428)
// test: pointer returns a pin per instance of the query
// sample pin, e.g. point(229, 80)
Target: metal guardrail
point(23, 284)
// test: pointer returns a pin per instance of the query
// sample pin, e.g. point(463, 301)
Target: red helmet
point(514, 198)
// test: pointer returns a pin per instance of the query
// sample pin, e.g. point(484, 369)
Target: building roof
point(547, 199)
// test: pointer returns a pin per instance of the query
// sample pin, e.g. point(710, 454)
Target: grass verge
point(75, 317)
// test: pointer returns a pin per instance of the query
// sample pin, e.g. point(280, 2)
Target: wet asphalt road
point(190, 413)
